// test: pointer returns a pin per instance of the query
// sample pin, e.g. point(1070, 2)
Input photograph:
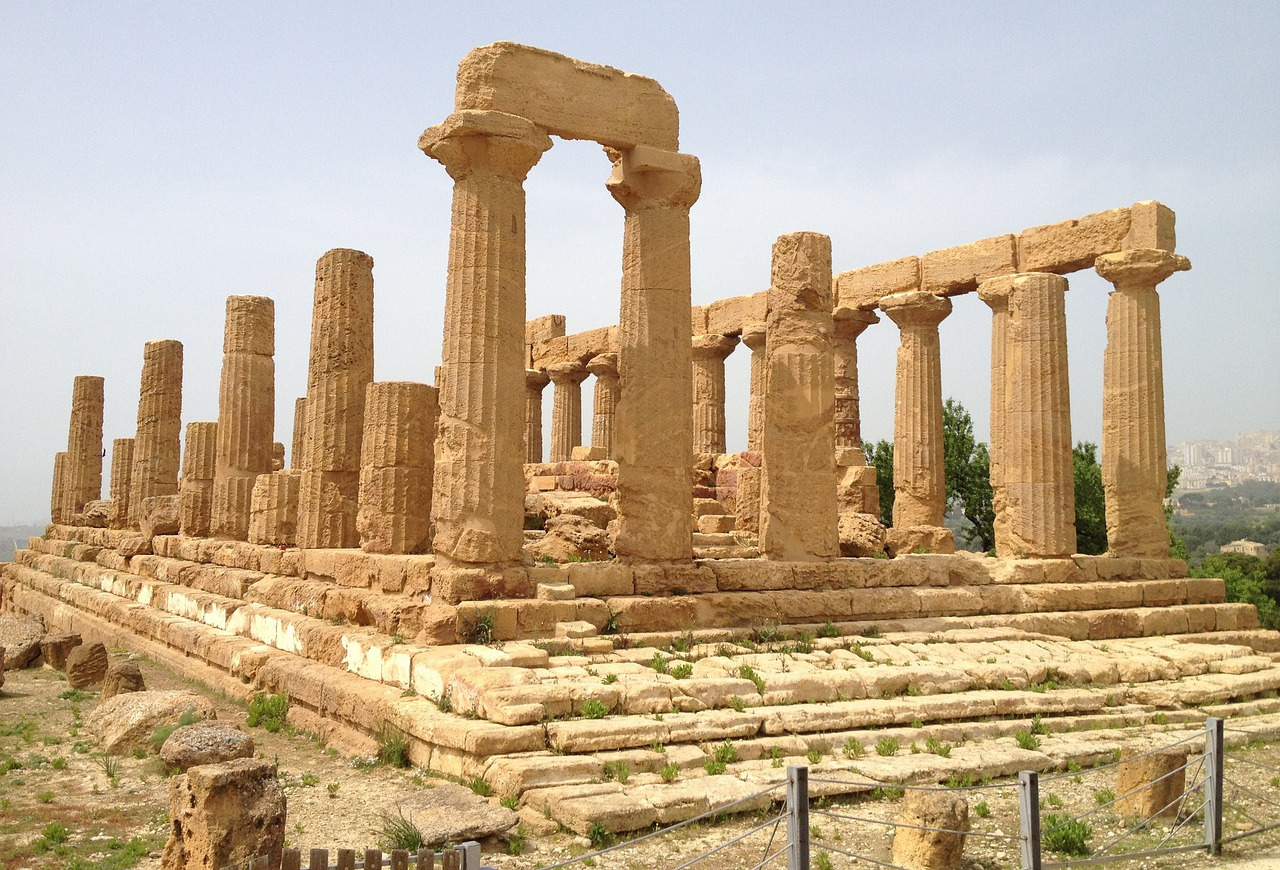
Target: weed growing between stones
point(618, 771)
point(1027, 740)
point(269, 711)
point(393, 746)
point(480, 629)
point(594, 708)
point(669, 772)
point(887, 746)
point(398, 832)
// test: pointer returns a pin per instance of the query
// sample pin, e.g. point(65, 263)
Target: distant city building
point(1251, 456)
point(1248, 548)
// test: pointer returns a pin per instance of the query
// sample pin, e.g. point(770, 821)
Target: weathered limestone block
point(861, 534)
point(863, 288)
point(534, 383)
point(56, 647)
point(277, 456)
point(199, 462)
point(122, 677)
point(961, 269)
point(1156, 780)
point(709, 353)
point(798, 516)
point(571, 537)
point(20, 637)
point(86, 665)
point(156, 444)
point(1151, 227)
point(95, 514)
point(1071, 245)
point(273, 514)
point(604, 400)
point(159, 515)
point(939, 849)
point(246, 412)
point(84, 444)
point(477, 500)
point(205, 743)
point(398, 462)
point(126, 722)
point(224, 815)
point(727, 316)
point(844, 345)
point(566, 408)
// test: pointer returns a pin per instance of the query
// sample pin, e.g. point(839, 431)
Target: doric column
point(709, 353)
point(534, 382)
point(199, 465)
point(753, 336)
point(478, 502)
point(653, 427)
point(566, 408)
point(798, 516)
point(298, 448)
point(84, 443)
point(1036, 506)
point(919, 466)
point(339, 371)
point(58, 496)
point(604, 400)
point(121, 472)
point(1133, 448)
point(995, 293)
point(156, 444)
point(849, 324)
point(273, 514)
point(246, 413)
point(397, 462)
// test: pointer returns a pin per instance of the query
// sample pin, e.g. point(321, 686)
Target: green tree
point(1091, 511)
point(1246, 581)
point(968, 468)
point(880, 457)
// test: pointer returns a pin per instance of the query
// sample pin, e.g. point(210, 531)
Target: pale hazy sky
point(156, 158)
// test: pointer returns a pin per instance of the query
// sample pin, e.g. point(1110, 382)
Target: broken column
point(398, 460)
point(298, 447)
point(919, 472)
point(566, 408)
point(84, 444)
point(156, 444)
point(58, 498)
point(856, 484)
point(199, 464)
point(1033, 480)
point(121, 471)
point(653, 429)
point(709, 353)
point(753, 336)
point(798, 516)
point(534, 382)
point(273, 511)
point(478, 502)
point(1133, 448)
point(340, 369)
point(604, 400)
point(246, 413)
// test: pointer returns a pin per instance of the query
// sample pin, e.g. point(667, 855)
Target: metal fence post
point(1029, 818)
point(470, 855)
point(797, 818)
point(1214, 756)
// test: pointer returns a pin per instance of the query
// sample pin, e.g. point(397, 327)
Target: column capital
point(713, 345)
point(570, 372)
point(753, 335)
point(852, 322)
point(1141, 268)
point(995, 292)
point(476, 141)
point(915, 308)
point(646, 177)
point(535, 379)
point(604, 365)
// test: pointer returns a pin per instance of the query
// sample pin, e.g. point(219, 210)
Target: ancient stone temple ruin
point(439, 559)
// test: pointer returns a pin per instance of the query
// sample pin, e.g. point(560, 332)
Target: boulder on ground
point(20, 636)
point(571, 538)
point(545, 505)
point(127, 722)
point(942, 847)
point(159, 515)
point(86, 665)
point(56, 647)
point(122, 677)
point(861, 535)
point(224, 815)
point(451, 813)
point(205, 743)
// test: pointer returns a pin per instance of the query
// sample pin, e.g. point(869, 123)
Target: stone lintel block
point(1071, 245)
point(589, 454)
point(863, 288)
point(582, 346)
point(952, 271)
point(542, 328)
point(1151, 226)
point(727, 316)
point(673, 579)
point(609, 106)
point(549, 351)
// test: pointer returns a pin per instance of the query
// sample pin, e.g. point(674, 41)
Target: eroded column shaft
point(604, 400)
point(753, 336)
point(199, 466)
point(534, 382)
point(298, 449)
point(156, 443)
point(566, 409)
point(58, 496)
point(273, 513)
point(398, 461)
point(709, 353)
point(995, 293)
point(121, 474)
point(84, 443)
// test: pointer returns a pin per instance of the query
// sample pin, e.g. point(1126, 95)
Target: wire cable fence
point(1249, 810)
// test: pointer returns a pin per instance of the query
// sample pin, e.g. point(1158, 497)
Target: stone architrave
point(919, 468)
point(273, 512)
point(58, 498)
point(753, 336)
point(709, 354)
point(566, 408)
point(398, 461)
point(340, 369)
point(478, 496)
point(156, 443)
point(298, 447)
point(121, 473)
point(199, 464)
point(1133, 448)
point(1031, 417)
point(653, 427)
point(535, 381)
point(798, 513)
point(246, 413)
point(84, 444)
point(604, 402)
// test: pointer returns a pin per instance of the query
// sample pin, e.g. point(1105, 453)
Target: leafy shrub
point(1064, 835)
point(887, 746)
point(1027, 740)
point(594, 708)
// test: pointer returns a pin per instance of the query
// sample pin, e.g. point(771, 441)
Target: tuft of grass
point(982, 810)
point(775, 756)
point(1027, 740)
point(658, 663)
point(618, 771)
point(682, 671)
point(669, 772)
point(332, 789)
point(162, 732)
point(887, 746)
point(737, 704)
point(599, 835)
point(1104, 796)
point(480, 787)
point(516, 843)
point(1038, 726)
point(1064, 835)
point(480, 629)
point(399, 832)
point(814, 756)
point(937, 747)
point(853, 748)
point(510, 802)
point(822, 861)
point(269, 711)
point(828, 629)
point(610, 679)
point(310, 780)
point(45, 797)
point(393, 746)
point(75, 695)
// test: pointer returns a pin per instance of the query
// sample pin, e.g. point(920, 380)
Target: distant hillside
point(15, 537)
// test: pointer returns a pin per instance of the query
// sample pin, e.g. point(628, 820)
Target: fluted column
point(298, 447)
point(535, 381)
point(604, 400)
point(58, 497)
point(246, 413)
point(199, 467)
point(653, 428)
point(566, 408)
point(1036, 472)
point(919, 466)
point(398, 460)
point(1133, 448)
point(478, 505)
point(753, 336)
point(798, 511)
point(339, 371)
point(121, 473)
point(709, 353)
point(995, 293)
point(156, 444)
point(850, 324)
point(84, 443)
